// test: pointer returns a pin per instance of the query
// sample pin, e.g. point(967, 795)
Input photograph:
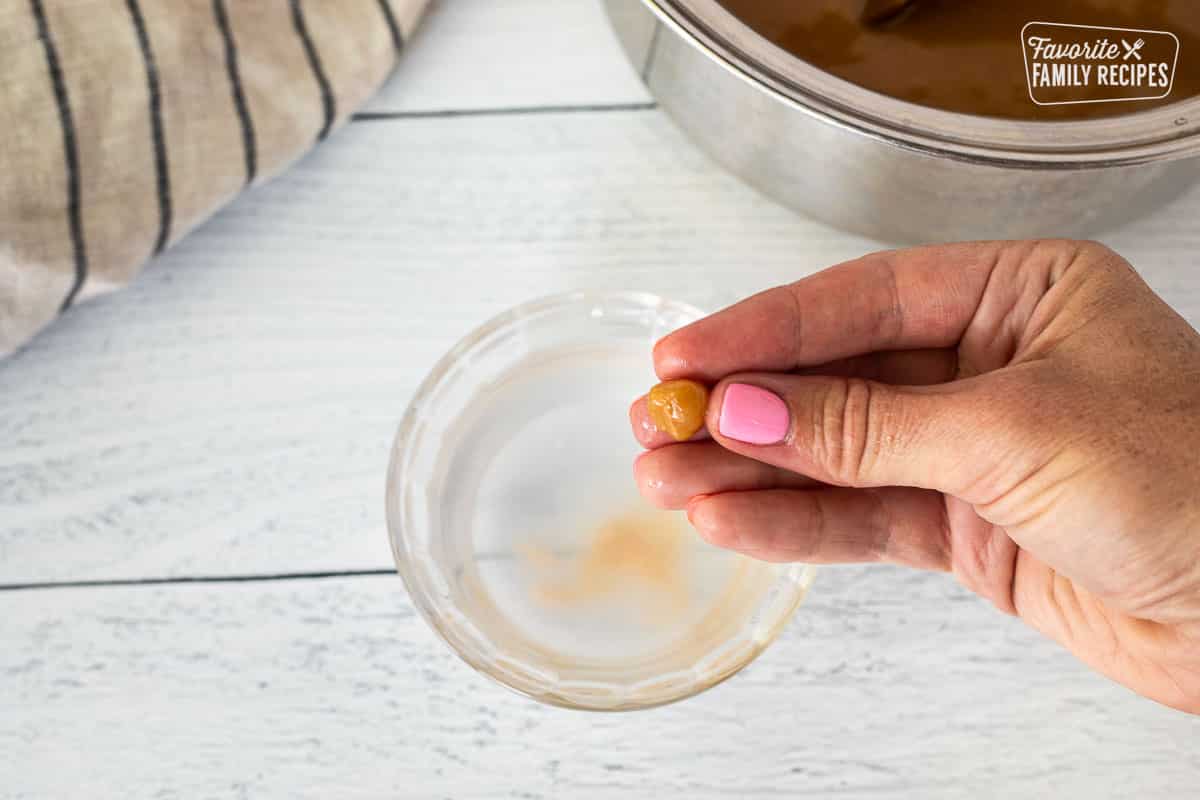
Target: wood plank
point(888, 684)
point(487, 54)
point(232, 411)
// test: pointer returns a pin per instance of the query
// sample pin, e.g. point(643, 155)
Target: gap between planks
point(192, 579)
point(594, 108)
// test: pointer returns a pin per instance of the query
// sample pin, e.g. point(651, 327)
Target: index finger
point(897, 300)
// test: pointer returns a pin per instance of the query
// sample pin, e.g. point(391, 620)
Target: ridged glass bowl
point(519, 533)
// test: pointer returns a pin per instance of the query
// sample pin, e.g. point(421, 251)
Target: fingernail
point(753, 415)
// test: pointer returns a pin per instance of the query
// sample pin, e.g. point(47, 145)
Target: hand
point(1023, 414)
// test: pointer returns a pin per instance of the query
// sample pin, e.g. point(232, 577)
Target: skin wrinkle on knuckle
point(792, 291)
point(818, 525)
point(1070, 255)
point(848, 436)
point(889, 321)
point(860, 439)
point(1025, 598)
point(1003, 569)
point(970, 564)
point(826, 421)
point(1091, 286)
point(995, 580)
point(966, 571)
point(944, 538)
point(1014, 326)
point(973, 357)
point(882, 528)
point(1027, 286)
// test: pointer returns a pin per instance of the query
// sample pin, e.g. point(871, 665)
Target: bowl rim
point(397, 507)
point(1166, 133)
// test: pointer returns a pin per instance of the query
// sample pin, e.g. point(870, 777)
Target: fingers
point(854, 432)
point(671, 476)
point(906, 367)
point(900, 300)
point(828, 525)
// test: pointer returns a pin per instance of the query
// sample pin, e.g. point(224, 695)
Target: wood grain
point(888, 683)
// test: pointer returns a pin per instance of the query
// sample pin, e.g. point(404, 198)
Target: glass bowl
point(519, 533)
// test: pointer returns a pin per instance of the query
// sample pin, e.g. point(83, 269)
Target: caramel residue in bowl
point(678, 407)
point(642, 547)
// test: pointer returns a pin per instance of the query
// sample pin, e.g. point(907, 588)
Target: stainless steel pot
point(891, 169)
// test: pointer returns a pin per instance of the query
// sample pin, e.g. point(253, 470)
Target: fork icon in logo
point(1132, 49)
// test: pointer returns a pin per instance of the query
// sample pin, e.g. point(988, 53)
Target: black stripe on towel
point(161, 167)
point(393, 26)
point(318, 70)
point(249, 141)
point(70, 150)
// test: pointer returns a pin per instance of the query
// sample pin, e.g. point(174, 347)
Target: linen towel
point(125, 123)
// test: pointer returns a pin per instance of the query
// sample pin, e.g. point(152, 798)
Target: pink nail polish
point(753, 415)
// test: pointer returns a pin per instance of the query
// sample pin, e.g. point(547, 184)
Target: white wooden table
point(197, 597)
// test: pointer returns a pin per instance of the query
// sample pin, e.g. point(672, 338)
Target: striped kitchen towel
point(125, 123)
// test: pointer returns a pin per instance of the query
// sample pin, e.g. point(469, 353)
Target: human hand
point(1023, 414)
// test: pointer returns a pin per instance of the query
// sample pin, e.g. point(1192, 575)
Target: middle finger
point(669, 477)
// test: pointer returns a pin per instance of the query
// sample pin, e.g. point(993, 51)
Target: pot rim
point(1169, 132)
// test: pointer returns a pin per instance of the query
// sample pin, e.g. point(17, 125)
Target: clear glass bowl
point(518, 529)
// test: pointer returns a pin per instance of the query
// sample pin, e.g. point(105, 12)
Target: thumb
point(861, 433)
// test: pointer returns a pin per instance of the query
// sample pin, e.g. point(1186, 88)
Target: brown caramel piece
point(678, 407)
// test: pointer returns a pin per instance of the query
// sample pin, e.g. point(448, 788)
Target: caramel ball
point(678, 407)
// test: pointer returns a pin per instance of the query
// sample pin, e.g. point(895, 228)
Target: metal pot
point(891, 169)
